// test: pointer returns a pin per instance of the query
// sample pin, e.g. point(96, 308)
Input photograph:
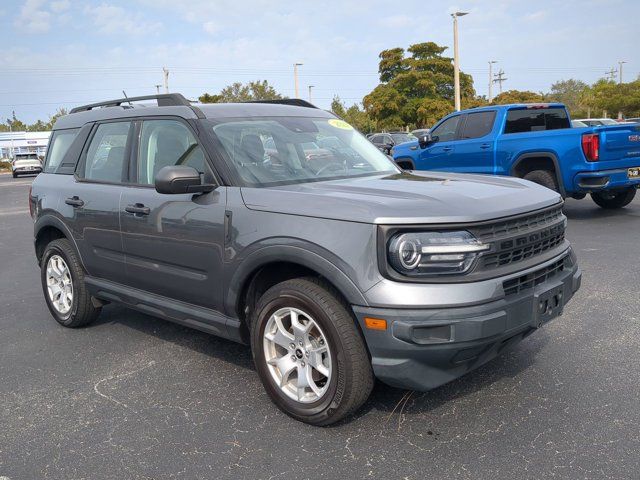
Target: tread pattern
point(544, 178)
point(620, 200)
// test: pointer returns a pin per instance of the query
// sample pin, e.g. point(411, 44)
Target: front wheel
point(309, 353)
point(614, 199)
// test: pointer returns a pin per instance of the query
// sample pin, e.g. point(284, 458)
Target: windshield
point(608, 121)
point(402, 137)
point(278, 150)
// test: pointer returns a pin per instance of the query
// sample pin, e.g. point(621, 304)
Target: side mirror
point(426, 139)
point(176, 179)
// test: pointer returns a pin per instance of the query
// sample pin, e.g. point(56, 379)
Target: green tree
point(239, 92)
point(612, 97)
point(354, 115)
point(518, 96)
point(570, 93)
point(415, 90)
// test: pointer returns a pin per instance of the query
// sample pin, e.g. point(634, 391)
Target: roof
point(177, 105)
point(516, 105)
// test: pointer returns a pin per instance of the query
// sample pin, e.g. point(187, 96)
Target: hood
point(405, 198)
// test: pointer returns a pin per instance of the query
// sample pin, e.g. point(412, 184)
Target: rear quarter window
point(536, 120)
point(59, 144)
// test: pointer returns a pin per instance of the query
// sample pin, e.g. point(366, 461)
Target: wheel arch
point(270, 265)
point(48, 228)
point(530, 161)
point(405, 161)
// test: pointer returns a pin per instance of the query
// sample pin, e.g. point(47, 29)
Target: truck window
point(60, 142)
point(446, 131)
point(536, 119)
point(478, 124)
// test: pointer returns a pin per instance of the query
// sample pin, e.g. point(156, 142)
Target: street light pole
point(295, 78)
point(491, 62)
point(310, 87)
point(456, 59)
point(620, 63)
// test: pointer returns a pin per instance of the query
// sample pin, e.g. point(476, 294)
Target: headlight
point(434, 253)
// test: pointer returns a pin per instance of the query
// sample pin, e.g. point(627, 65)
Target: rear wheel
point(544, 178)
point(309, 353)
point(615, 198)
point(63, 285)
point(14, 174)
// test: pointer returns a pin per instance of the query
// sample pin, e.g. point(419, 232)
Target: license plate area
point(633, 173)
point(548, 304)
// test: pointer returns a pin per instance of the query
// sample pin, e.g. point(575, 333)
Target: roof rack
point(296, 102)
point(164, 100)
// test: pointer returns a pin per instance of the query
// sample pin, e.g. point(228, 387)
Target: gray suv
point(336, 268)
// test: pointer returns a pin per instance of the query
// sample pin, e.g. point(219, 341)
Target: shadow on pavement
point(383, 398)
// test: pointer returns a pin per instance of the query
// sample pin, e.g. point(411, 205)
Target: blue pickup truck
point(535, 142)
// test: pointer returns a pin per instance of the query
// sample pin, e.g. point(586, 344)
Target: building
point(23, 142)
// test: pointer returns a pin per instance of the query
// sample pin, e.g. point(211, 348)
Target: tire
point(60, 265)
point(405, 164)
point(614, 199)
point(15, 175)
point(544, 178)
point(350, 377)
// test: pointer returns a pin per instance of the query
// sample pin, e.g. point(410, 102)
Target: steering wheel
point(329, 166)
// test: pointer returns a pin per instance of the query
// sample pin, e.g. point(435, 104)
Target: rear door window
point(536, 120)
point(106, 159)
point(478, 124)
point(59, 144)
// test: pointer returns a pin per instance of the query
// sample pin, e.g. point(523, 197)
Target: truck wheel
point(614, 199)
point(308, 351)
point(544, 178)
point(63, 285)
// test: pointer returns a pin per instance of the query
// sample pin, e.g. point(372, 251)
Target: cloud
point(535, 16)
point(33, 18)
point(111, 19)
point(60, 6)
point(210, 27)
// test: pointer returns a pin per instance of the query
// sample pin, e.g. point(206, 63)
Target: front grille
point(521, 238)
point(530, 280)
point(516, 226)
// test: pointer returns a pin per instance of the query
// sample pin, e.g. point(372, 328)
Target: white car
point(25, 164)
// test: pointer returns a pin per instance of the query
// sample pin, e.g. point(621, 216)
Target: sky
point(64, 53)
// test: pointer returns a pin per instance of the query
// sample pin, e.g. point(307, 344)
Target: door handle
point(485, 145)
point(74, 201)
point(137, 209)
point(447, 149)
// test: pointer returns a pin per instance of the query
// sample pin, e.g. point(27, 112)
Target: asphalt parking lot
point(135, 397)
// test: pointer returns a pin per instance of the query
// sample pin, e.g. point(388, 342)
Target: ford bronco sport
point(336, 268)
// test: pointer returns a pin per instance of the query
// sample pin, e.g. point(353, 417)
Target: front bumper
point(586, 182)
point(424, 348)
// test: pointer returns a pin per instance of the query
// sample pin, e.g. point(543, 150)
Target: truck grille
point(530, 280)
point(521, 238)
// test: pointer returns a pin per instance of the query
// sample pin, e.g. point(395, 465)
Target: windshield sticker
point(334, 122)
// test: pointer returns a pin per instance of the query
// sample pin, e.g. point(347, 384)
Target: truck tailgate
point(619, 143)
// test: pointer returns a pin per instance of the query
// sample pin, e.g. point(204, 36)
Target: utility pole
point(491, 62)
point(499, 79)
point(456, 59)
point(295, 78)
point(310, 87)
point(612, 74)
point(620, 63)
point(165, 76)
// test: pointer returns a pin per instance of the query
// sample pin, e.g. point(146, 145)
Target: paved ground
point(135, 397)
